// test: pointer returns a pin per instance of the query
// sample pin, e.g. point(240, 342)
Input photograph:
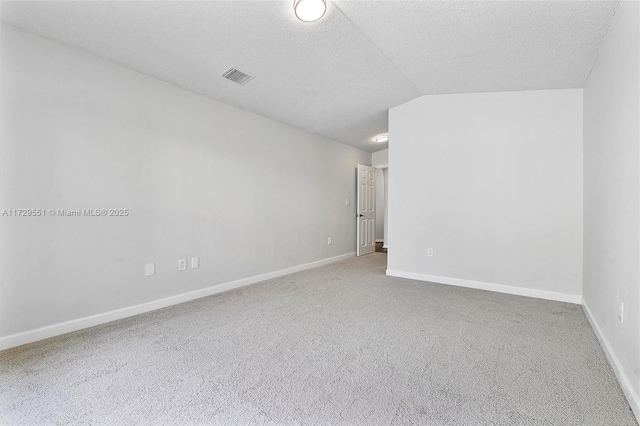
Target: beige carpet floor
point(341, 344)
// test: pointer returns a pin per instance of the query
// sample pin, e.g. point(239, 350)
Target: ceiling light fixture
point(309, 10)
point(382, 138)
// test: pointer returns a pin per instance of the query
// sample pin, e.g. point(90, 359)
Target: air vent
point(238, 76)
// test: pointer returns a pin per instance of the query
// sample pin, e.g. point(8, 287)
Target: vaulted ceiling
point(336, 77)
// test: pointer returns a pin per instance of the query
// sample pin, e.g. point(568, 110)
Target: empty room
point(322, 212)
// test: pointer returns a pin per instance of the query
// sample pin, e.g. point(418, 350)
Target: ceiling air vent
point(237, 76)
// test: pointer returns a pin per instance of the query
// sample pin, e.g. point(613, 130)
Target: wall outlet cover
point(182, 264)
point(195, 262)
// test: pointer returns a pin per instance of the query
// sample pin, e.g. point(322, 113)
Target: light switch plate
point(150, 269)
point(195, 262)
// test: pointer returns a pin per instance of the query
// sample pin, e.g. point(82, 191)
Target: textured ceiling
point(336, 77)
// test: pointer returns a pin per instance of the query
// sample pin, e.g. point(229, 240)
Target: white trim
point(500, 288)
point(632, 397)
point(379, 240)
point(30, 336)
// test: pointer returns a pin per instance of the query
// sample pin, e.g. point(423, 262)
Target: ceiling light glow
point(309, 10)
point(382, 138)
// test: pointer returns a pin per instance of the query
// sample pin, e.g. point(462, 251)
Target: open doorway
point(380, 210)
point(372, 205)
point(380, 160)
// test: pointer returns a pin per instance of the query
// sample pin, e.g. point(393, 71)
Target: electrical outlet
point(182, 264)
point(329, 240)
point(195, 262)
point(429, 252)
point(621, 312)
point(150, 269)
point(347, 202)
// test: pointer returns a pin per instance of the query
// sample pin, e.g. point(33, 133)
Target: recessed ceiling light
point(309, 10)
point(384, 137)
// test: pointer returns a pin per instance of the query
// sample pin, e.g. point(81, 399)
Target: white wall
point(380, 158)
point(611, 197)
point(200, 178)
point(493, 183)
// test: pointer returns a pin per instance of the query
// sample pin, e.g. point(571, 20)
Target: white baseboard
point(625, 383)
point(30, 336)
point(379, 240)
point(500, 288)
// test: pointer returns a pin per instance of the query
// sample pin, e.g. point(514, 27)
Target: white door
point(366, 210)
